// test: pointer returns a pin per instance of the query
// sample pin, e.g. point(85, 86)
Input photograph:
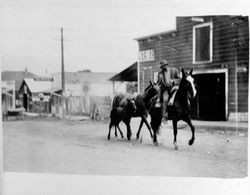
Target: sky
point(99, 34)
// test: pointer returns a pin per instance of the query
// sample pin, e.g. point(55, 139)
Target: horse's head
point(187, 84)
point(152, 90)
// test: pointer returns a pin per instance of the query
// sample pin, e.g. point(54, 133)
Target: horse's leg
point(155, 127)
point(116, 125)
point(120, 131)
point(139, 130)
point(155, 138)
point(175, 133)
point(128, 129)
point(115, 131)
point(148, 126)
point(188, 121)
point(110, 126)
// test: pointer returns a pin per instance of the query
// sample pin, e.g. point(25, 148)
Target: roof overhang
point(128, 74)
point(155, 35)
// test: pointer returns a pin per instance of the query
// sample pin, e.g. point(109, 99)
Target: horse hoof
point(191, 141)
point(156, 143)
point(175, 146)
point(108, 138)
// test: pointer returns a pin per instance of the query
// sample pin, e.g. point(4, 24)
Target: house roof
point(38, 86)
point(128, 74)
point(17, 76)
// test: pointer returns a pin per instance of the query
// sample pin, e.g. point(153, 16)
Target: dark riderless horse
point(124, 114)
point(143, 102)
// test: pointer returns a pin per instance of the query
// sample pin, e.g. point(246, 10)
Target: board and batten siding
point(230, 50)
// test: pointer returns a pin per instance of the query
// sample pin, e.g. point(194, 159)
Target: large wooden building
point(217, 48)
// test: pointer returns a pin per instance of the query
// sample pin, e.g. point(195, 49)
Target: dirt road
point(70, 147)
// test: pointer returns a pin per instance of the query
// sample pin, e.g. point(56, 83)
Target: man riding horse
point(168, 78)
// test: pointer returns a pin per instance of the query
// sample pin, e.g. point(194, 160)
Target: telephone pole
point(63, 102)
point(63, 76)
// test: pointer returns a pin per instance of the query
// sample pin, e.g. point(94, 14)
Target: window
point(203, 43)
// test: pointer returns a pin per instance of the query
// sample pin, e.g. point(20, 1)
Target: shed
point(33, 92)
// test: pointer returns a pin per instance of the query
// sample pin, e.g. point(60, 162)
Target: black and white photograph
point(124, 97)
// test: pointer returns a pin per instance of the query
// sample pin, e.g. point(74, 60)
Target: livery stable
point(217, 48)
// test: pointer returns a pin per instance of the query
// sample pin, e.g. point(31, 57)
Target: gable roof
point(37, 86)
point(17, 76)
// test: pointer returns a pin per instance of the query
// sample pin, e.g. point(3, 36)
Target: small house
point(35, 94)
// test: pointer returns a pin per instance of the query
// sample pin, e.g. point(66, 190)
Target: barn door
point(210, 101)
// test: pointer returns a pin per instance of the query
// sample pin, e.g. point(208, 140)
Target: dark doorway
point(210, 101)
point(25, 101)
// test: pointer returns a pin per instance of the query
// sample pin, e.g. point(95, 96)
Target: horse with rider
point(170, 95)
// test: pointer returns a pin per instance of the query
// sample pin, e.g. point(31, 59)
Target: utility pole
point(63, 102)
point(14, 95)
point(63, 76)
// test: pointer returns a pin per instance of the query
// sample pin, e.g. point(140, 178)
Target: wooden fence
point(89, 105)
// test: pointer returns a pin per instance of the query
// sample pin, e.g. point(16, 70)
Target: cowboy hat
point(163, 63)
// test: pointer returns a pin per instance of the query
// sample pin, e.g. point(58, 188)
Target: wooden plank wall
point(230, 48)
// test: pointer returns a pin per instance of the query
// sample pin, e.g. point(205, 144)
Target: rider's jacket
point(168, 78)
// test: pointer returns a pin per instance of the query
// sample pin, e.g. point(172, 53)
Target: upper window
point(203, 43)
